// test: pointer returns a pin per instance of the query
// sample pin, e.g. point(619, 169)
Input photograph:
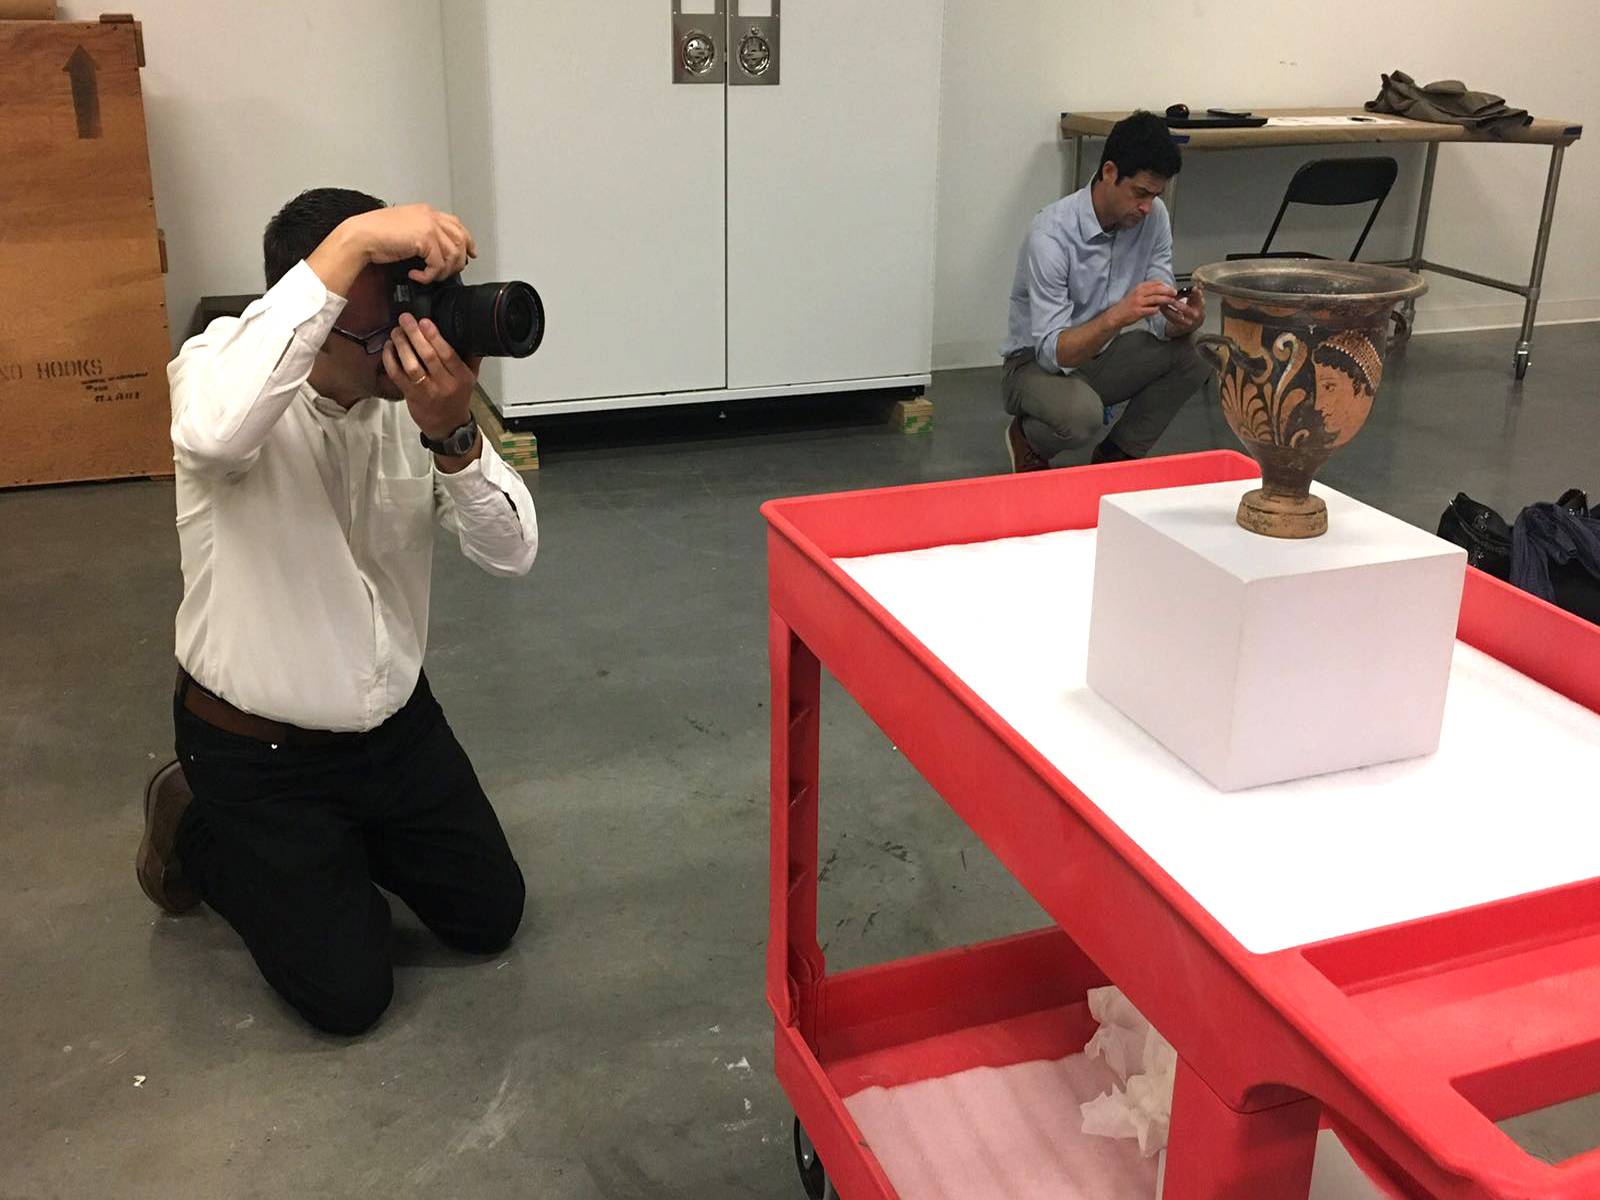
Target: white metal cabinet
point(700, 241)
point(601, 185)
point(831, 185)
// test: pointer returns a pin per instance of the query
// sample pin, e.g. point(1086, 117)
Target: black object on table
point(1179, 117)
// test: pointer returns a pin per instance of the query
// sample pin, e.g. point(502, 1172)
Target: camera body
point(503, 320)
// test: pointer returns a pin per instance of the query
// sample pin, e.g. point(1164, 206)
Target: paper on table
point(1335, 120)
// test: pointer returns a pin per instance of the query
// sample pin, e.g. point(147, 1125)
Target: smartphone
point(1180, 299)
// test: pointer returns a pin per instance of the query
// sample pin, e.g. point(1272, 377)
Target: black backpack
point(1553, 551)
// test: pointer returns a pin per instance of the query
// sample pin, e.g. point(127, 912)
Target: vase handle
point(1217, 349)
point(1223, 354)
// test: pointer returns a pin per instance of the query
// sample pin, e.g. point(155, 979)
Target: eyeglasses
point(373, 342)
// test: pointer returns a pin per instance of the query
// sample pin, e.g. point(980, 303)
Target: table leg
point(1420, 234)
point(1216, 1153)
point(795, 965)
point(1530, 305)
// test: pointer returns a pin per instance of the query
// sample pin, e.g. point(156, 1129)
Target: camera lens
point(493, 319)
point(519, 317)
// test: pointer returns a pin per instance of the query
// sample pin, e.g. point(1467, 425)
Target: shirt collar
point(1089, 228)
point(321, 403)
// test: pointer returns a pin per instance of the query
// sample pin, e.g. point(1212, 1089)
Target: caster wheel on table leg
point(1520, 363)
point(812, 1176)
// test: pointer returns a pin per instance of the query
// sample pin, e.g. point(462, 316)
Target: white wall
point(248, 104)
point(1011, 66)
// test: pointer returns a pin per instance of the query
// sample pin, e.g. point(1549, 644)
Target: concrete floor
point(614, 705)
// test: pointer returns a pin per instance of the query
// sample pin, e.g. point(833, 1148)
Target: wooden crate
point(83, 329)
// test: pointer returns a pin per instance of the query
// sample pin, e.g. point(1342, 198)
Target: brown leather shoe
point(1109, 452)
point(1022, 454)
point(160, 875)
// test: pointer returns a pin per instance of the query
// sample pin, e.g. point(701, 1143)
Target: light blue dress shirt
point(1070, 270)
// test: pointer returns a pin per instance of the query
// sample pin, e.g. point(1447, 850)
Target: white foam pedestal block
point(1258, 659)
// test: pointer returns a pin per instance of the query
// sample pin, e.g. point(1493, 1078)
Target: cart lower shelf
point(1010, 1132)
point(1013, 1133)
point(959, 1074)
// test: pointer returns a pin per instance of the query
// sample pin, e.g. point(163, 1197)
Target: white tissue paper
point(1147, 1065)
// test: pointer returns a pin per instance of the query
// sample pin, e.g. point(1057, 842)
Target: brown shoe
point(1022, 454)
point(1109, 452)
point(160, 875)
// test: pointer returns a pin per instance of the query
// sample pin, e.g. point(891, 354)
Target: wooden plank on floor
point(520, 450)
point(914, 414)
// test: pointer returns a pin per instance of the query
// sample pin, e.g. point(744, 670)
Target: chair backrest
point(1338, 181)
point(1343, 181)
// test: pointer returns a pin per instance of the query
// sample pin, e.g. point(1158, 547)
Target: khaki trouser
point(1059, 412)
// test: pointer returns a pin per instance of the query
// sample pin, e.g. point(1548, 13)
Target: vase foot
point(1283, 516)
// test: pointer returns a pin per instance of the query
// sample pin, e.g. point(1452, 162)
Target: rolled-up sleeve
point(490, 510)
point(1049, 297)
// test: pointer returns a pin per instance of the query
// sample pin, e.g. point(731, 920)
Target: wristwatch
point(461, 439)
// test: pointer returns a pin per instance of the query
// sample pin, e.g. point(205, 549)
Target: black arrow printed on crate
point(85, 92)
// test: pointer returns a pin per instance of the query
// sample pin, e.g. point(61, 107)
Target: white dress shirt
point(306, 530)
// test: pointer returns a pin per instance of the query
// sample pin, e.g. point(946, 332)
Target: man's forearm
point(1080, 343)
point(230, 384)
point(492, 513)
point(339, 259)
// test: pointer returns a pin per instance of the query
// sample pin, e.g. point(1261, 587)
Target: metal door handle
point(755, 47)
point(699, 45)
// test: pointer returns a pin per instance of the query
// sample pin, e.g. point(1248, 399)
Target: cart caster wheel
point(1520, 363)
point(812, 1177)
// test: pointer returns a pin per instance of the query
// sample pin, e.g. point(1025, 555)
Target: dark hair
point(1140, 142)
point(305, 222)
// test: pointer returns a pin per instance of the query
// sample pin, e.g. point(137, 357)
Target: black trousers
point(292, 843)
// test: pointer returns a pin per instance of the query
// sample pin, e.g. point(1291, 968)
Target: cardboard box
point(83, 328)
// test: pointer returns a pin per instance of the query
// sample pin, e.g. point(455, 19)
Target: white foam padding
point(1506, 806)
point(1258, 659)
point(1013, 1133)
point(1001, 1133)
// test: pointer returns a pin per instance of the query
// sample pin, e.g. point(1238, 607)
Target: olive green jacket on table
point(1447, 101)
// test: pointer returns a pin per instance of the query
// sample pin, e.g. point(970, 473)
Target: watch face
point(461, 440)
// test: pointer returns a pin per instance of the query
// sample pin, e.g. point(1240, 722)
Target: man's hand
point(1185, 315)
point(1143, 301)
point(417, 231)
point(388, 235)
point(435, 381)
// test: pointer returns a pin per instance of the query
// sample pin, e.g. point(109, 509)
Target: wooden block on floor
point(914, 414)
point(519, 450)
